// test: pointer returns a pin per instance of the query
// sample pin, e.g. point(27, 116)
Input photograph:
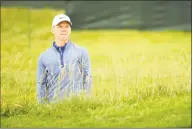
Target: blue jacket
point(63, 73)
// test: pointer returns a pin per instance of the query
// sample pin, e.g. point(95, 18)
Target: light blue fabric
point(56, 82)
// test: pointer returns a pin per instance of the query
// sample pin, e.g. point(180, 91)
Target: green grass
point(140, 79)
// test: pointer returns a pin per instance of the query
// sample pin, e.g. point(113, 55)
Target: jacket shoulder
point(46, 53)
point(79, 48)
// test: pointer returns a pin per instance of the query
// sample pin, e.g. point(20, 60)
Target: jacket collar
point(62, 48)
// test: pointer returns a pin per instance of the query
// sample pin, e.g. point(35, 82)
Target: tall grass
point(134, 74)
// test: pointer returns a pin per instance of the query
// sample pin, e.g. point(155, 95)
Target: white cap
point(59, 18)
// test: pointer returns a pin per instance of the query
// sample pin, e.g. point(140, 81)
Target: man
point(65, 68)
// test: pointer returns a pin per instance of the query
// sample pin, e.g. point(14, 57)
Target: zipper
point(61, 58)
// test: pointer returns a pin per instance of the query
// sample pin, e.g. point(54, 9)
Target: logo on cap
point(61, 17)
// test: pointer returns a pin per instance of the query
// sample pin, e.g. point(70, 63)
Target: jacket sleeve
point(86, 70)
point(41, 81)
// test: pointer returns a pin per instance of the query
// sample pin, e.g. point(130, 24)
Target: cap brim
point(63, 20)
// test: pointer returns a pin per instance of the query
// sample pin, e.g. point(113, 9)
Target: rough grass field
point(140, 79)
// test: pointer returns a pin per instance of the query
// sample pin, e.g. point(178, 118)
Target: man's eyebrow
point(60, 25)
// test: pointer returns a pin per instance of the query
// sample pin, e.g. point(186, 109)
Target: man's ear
point(52, 29)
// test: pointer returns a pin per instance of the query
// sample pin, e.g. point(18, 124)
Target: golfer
point(65, 68)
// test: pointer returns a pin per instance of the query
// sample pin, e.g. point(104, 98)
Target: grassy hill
point(140, 79)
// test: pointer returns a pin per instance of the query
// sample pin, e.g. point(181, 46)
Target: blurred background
point(140, 15)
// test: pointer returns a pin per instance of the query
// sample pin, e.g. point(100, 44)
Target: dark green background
point(141, 15)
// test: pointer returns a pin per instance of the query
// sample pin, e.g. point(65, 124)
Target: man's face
point(62, 31)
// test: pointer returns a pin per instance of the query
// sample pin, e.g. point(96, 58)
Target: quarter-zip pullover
point(62, 72)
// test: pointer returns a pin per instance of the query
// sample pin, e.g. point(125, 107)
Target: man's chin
point(63, 37)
